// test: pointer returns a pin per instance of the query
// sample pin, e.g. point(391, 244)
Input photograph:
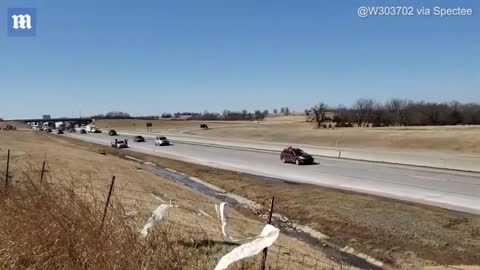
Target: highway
point(448, 189)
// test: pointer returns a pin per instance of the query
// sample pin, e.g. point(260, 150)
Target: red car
point(295, 155)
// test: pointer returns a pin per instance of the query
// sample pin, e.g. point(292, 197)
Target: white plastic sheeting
point(223, 219)
point(252, 246)
point(200, 212)
point(155, 218)
point(221, 213)
point(268, 236)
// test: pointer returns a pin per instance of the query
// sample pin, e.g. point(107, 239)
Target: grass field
point(85, 167)
point(463, 140)
point(162, 125)
point(404, 235)
point(451, 139)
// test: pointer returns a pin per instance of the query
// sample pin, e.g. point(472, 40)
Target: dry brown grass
point(405, 235)
point(451, 139)
point(51, 225)
point(80, 167)
point(46, 226)
point(162, 125)
point(18, 125)
point(293, 129)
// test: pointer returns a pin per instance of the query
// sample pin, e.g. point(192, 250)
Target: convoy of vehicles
point(288, 155)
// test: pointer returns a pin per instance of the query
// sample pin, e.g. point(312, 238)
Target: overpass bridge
point(75, 121)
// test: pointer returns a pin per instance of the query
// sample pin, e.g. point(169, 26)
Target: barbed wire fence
point(279, 257)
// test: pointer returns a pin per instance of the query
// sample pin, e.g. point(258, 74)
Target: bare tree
point(225, 114)
point(317, 113)
point(435, 113)
point(117, 115)
point(380, 116)
point(244, 114)
point(364, 111)
point(265, 113)
point(259, 115)
point(275, 111)
point(456, 116)
point(397, 111)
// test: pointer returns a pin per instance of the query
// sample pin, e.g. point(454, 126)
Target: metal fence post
point(42, 173)
point(108, 202)
point(8, 168)
point(265, 250)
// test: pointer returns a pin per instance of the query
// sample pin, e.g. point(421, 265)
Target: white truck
point(60, 125)
point(92, 129)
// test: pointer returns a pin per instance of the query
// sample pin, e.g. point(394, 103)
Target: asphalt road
point(444, 188)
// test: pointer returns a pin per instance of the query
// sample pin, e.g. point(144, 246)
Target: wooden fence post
point(108, 202)
point(265, 250)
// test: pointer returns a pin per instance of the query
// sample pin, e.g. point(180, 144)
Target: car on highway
point(96, 130)
point(295, 155)
point(83, 131)
point(119, 143)
point(138, 139)
point(112, 132)
point(161, 140)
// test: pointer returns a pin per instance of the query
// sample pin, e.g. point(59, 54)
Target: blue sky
point(149, 57)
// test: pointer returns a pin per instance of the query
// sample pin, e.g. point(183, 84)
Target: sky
point(154, 56)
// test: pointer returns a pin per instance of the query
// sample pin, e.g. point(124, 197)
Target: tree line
point(245, 115)
point(122, 115)
point(258, 115)
point(364, 112)
point(396, 112)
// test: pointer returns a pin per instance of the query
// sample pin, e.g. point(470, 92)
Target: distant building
point(46, 117)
